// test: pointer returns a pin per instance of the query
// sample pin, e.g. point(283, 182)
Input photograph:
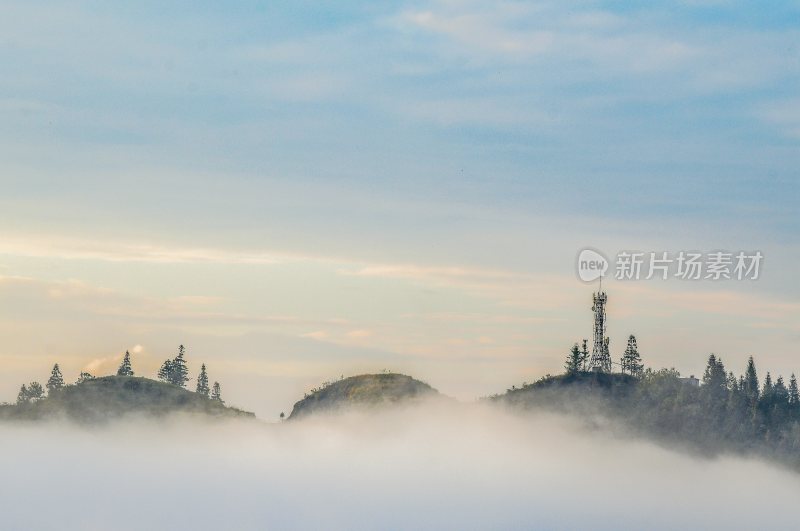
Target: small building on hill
point(691, 380)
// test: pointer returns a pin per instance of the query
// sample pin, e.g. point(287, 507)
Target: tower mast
point(601, 357)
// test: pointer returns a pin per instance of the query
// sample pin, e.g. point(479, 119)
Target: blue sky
point(304, 165)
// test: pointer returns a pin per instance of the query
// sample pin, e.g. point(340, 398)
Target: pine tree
point(56, 381)
point(165, 372)
point(794, 394)
point(751, 382)
point(767, 391)
point(584, 354)
point(631, 360)
point(179, 374)
point(84, 377)
point(125, 368)
point(216, 393)
point(780, 392)
point(23, 397)
point(573, 364)
point(715, 382)
point(719, 375)
point(35, 391)
point(202, 382)
point(733, 383)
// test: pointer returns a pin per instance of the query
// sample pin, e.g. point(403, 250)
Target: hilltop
point(366, 390)
point(113, 397)
point(572, 389)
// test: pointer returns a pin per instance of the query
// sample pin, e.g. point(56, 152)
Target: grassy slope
point(364, 390)
point(577, 386)
point(112, 397)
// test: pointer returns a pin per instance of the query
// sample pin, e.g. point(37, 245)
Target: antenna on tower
point(601, 357)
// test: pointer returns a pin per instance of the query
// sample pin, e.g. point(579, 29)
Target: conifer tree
point(179, 373)
point(125, 368)
point(766, 392)
point(751, 382)
point(584, 354)
point(35, 391)
point(84, 377)
point(574, 362)
point(794, 394)
point(733, 383)
point(165, 372)
point(216, 393)
point(715, 382)
point(202, 382)
point(56, 380)
point(23, 397)
point(631, 360)
point(780, 392)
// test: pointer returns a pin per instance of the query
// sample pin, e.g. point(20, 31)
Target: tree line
point(630, 362)
point(721, 411)
point(173, 371)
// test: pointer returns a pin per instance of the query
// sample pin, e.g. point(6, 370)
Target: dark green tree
point(125, 368)
point(84, 377)
point(751, 382)
point(780, 393)
point(165, 372)
point(35, 391)
point(216, 393)
point(202, 382)
point(56, 380)
point(715, 384)
point(767, 390)
point(23, 397)
point(584, 354)
point(714, 374)
point(631, 360)
point(180, 373)
point(794, 394)
point(574, 363)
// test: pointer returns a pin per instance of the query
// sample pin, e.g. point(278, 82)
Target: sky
point(301, 190)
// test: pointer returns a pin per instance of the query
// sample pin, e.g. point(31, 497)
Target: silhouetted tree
point(283, 415)
point(584, 354)
point(165, 372)
point(179, 372)
point(202, 382)
point(751, 382)
point(23, 397)
point(125, 368)
point(715, 385)
point(83, 377)
point(631, 360)
point(216, 393)
point(794, 394)
point(56, 380)
point(574, 363)
point(35, 391)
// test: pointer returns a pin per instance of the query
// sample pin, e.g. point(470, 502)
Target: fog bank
point(444, 466)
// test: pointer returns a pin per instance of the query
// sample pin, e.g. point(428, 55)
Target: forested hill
point(366, 390)
point(724, 414)
point(113, 397)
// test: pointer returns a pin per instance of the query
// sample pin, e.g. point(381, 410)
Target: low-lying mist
point(431, 466)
